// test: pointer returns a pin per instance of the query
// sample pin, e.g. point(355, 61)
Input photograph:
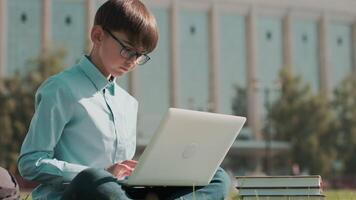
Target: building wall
point(232, 66)
point(68, 28)
point(206, 49)
point(305, 43)
point(269, 30)
point(194, 52)
point(341, 51)
point(23, 34)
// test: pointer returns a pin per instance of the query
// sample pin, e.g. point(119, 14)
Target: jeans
point(94, 184)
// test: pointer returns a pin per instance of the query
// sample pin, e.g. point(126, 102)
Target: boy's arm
point(54, 107)
point(41, 167)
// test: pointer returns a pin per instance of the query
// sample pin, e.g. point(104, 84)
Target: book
point(278, 181)
point(279, 191)
point(320, 197)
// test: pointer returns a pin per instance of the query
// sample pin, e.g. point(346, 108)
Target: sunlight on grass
point(340, 195)
point(330, 195)
point(25, 196)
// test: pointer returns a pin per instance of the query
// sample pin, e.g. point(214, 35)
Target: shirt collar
point(95, 76)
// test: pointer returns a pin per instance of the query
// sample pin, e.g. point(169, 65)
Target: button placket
point(117, 116)
point(110, 107)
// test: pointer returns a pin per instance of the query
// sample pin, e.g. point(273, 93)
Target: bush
point(17, 103)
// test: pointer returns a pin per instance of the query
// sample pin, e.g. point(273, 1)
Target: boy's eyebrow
point(127, 43)
point(130, 45)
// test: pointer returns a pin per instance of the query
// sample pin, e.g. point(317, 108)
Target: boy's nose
point(131, 61)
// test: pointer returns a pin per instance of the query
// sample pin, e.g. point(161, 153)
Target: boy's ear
point(96, 35)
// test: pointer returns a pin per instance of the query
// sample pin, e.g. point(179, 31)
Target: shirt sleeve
point(53, 110)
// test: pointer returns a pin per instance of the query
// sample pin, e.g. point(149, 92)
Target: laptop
point(186, 150)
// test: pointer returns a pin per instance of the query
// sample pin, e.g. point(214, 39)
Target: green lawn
point(341, 195)
point(330, 195)
point(25, 195)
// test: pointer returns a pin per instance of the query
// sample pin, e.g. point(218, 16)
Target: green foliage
point(17, 103)
point(239, 102)
point(307, 122)
point(345, 108)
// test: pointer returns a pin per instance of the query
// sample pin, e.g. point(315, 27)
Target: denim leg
point(218, 189)
point(94, 184)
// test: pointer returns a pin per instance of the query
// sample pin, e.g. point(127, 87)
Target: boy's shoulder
point(70, 73)
point(61, 80)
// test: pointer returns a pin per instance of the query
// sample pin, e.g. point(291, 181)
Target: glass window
point(270, 59)
point(340, 55)
point(68, 28)
point(24, 33)
point(232, 67)
point(306, 54)
point(194, 62)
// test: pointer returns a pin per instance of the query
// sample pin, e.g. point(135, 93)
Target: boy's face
point(114, 51)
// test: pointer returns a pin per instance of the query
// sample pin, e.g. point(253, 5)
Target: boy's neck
point(99, 65)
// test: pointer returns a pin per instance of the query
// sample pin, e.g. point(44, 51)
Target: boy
point(84, 122)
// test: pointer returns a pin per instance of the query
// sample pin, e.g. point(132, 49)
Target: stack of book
point(280, 187)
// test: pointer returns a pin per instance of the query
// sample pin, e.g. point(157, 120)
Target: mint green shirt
point(81, 120)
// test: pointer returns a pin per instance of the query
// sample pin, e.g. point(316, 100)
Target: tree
point(306, 121)
point(239, 102)
point(345, 107)
point(17, 103)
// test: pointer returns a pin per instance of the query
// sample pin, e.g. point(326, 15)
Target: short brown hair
point(131, 17)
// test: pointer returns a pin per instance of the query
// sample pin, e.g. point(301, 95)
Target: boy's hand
point(120, 170)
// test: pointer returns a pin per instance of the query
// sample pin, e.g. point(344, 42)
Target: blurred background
point(288, 66)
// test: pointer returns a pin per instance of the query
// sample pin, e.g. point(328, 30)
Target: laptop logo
point(189, 150)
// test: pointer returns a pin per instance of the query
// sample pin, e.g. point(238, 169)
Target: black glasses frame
point(126, 52)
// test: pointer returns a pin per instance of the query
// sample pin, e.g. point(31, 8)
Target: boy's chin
point(118, 74)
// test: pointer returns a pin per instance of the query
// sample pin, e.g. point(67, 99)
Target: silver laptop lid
point(186, 149)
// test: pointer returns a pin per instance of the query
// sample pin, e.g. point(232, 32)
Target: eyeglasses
point(128, 53)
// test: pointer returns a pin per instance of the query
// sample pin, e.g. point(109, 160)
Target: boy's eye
point(129, 51)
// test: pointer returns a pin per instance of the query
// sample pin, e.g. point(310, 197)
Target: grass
point(25, 196)
point(341, 195)
point(330, 195)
